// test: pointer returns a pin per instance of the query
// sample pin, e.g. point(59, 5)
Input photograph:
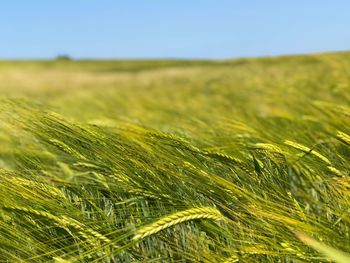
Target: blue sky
point(171, 29)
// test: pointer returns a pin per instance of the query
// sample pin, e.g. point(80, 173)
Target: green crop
point(175, 161)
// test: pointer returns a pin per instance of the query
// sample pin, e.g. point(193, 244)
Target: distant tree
point(63, 57)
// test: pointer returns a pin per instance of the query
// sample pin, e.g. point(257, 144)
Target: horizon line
point(170, 58)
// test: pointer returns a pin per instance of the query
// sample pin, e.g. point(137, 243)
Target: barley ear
point(177, 218)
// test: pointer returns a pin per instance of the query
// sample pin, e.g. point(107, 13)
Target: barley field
point(244, 160)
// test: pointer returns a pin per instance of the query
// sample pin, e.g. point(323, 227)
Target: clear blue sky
point(171, 29)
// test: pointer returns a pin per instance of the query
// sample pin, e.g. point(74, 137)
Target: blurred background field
point(137, 89)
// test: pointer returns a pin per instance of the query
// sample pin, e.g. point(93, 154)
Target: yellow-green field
point(242, 160)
